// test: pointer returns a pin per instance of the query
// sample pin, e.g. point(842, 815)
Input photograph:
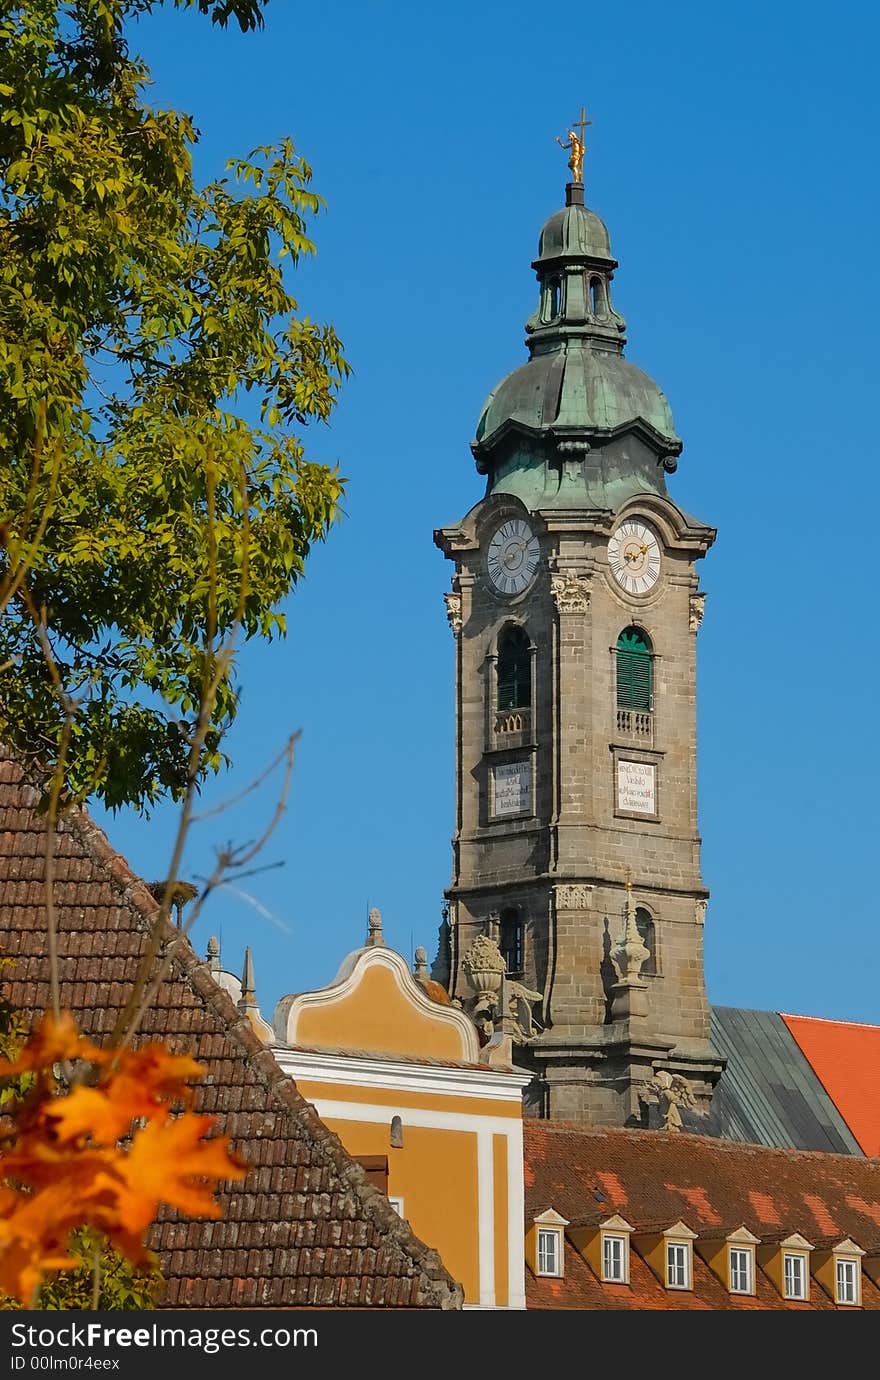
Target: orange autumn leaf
point(173, 1163)
point(34, 1229)
point(65, 1167)
point(89, 1112)
point(23, 1266)
point(143, 1084)
point(53, 1041)
point(39, 1164)
point(159, 1071)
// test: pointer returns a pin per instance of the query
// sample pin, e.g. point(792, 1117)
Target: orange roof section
point(845, 1057)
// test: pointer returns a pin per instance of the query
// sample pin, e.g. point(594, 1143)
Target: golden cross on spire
point(575, 146)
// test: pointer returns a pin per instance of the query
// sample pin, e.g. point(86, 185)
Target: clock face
point(634, 557)
point(512, 558)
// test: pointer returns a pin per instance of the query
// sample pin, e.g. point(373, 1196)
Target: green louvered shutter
point(514, 671)
point(635, 678)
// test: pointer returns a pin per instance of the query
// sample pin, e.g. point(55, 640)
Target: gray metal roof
point(768, 1093)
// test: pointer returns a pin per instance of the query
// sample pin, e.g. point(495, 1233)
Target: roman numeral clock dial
point(512, 557)
point(634, 557)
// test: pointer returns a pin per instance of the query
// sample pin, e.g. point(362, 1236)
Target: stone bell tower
point(575, 608)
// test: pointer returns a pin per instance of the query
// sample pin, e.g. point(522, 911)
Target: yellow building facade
point(395, 1070)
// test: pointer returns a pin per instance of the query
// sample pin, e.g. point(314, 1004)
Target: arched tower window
point(635, 671)
point(514, 670)
point(511, 941)
point(645, 927)
point(554, 298)
point(597, 297)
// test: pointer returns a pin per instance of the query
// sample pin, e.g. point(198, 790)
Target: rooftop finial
point(248, 982)
point(375, 937)
point(576, 147)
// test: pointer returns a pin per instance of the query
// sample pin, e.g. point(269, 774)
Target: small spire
point(248, 982)
point(420, 967)
point(213, 954)
point(375, 937)
point(629, 953)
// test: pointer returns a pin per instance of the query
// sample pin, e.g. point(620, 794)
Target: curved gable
point(375, 1004)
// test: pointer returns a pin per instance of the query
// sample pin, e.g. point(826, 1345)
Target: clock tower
point(575, 608)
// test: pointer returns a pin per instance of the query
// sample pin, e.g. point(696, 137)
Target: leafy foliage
point(121, 1284)
point(99, 1142)
point(155, 373)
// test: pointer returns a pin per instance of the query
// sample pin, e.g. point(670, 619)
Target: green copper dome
point(572, 231)
point(575, 388)
point(577, 425)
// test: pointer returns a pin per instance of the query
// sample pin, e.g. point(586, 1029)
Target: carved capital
point(695, 610)
point(571, 592)
point(573, 897)
point(453, 611)
point(700, 911)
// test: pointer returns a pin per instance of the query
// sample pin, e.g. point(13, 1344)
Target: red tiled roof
point(655, 1178)
point(304, 1229)
point(845, 1057)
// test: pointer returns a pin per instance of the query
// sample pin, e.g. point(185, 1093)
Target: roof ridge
point(444, 1293)
point(716, 1142)
point(828, 1020)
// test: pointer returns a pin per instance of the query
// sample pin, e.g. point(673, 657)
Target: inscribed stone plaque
point(512, 788)
point(636, 787)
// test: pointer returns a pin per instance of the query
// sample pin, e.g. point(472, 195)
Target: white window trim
point(396, 1203)
point(749, 1252)
point(554, 1232)
point(805, 1266)
point(688, 1263)
point(623, 1238)
point(857, 1280)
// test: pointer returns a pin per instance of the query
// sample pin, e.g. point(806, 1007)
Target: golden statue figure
point(576, 155)
point(575, 146)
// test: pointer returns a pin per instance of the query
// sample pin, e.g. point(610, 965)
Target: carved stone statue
point(669, 1091)
point(520, 1001)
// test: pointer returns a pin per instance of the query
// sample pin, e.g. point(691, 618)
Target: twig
point(96, 1276)
point(226, 861)
point(132, 1013)
point(243, 794)
point(68, 707)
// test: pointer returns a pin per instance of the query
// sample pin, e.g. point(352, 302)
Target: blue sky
point(733, 157)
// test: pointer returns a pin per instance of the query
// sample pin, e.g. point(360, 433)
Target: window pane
point(676, 1266)
point(613, 1267)
point(846, 1282)
point(740, 1271)
point(511, 944)
point(548, 1253)
point(795, 1278)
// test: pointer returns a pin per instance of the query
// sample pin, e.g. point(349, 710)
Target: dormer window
point(550, 1251)
point(545, 1243)
point(794, 1275)
point(615, 1258)
point(741, 1269)
point(848, 1280)
point(669, 1255)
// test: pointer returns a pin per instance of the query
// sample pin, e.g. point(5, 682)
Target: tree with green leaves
point(156, 499)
